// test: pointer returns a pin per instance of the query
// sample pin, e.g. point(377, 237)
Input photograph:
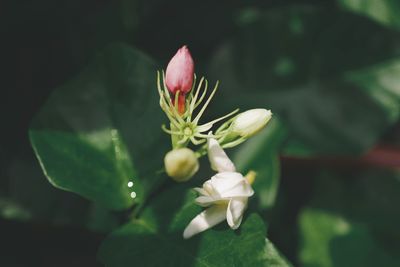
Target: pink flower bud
point(180, 72)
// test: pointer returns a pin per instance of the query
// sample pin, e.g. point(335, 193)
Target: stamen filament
point(225, 125)
point(234, 143)
point(175, 111)
point(215, 121)
point(166, 92)
point(195, 141)
point(196, 120)
point(183, 140)
point(165, 129)
point(200, 135)
point(172, 120)
point(194, 99)
point(202, 95)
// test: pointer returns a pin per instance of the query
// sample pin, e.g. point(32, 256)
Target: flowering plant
point(147, 190)
point(127, 139)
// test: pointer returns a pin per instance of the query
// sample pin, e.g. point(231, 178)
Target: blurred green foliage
point(352, 224)
point(385, 12)
point(329, 70)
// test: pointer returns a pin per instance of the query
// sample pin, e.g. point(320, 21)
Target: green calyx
point(185, 128)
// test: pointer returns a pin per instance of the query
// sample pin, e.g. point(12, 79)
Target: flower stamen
point(197, 118)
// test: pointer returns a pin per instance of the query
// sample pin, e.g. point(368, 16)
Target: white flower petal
point(241, 189)
point(204, 201)
point(201, 191)
point(230, 184)
point(234, 213)
point(224, 181)
point(205, 220)
point(218, 159)
point(209, 188)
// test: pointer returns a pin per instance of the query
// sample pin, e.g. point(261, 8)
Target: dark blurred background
point(322, 66)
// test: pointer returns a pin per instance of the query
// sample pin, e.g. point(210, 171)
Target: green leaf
point(137, 243)
point(297, 61)
point(330, 240)
point(351, 221)
point(385, 12)
point(365, 197)
point(75, 165)
point(100, 130)
point(156, 239)
point(272, 257)
point(381, 82)
point(28, 196)
point(261, 154)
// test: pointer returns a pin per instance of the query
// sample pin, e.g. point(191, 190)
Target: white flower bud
point(181, 164)
point(250, 122)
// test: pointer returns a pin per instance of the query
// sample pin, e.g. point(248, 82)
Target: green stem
point(174, 137)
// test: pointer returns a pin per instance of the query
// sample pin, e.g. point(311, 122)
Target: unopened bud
point(180, 72)
point(250, 122)
point(181, 164)
point(179, 76)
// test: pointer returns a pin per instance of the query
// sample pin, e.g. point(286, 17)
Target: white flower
point(225, 194)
